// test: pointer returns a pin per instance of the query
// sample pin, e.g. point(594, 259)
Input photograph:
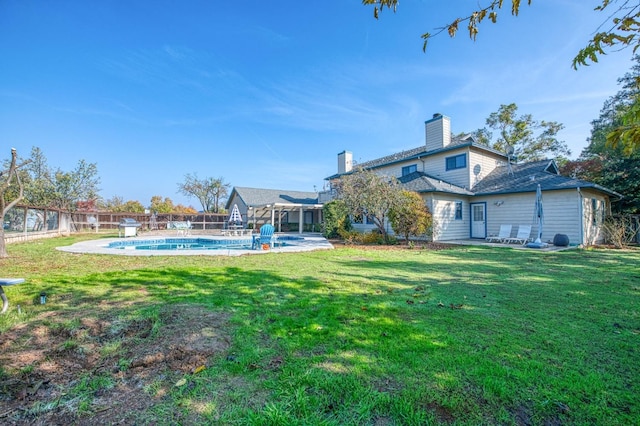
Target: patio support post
point(273, 218)
point(253, 209)
point(280, 220)
point(300, 224)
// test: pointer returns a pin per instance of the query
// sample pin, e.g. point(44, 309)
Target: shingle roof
point(526, 177)
point(421, 151)
point(422, 182)
point(259, 196)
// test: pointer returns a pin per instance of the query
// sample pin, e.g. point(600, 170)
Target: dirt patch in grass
point(66, 369)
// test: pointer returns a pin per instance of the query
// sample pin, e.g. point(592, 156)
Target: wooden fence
point(23, 223)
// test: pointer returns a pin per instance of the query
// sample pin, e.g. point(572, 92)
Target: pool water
point(192, 244)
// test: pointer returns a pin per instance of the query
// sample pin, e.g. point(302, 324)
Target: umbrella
point(235, 216)
point(538, 214)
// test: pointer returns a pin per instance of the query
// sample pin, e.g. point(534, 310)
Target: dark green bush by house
point(336, 219)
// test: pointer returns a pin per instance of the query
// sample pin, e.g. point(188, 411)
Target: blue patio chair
point(265, 237)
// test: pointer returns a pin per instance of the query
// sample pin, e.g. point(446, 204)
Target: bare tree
point(209, 191)
point(8, 192)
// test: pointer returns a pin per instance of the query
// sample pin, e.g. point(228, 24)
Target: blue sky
point(266, 94)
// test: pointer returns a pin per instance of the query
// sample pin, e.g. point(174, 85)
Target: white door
point(478, 222)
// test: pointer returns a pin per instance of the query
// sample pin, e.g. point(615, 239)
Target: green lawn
point(469, 335)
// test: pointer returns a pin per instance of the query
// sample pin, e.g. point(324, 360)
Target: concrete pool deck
point(309, 242)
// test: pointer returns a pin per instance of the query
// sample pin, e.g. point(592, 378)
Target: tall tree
point(623, 113)
point(77, 185)
point(530, 139)
point(45, 187)
point(8, 196)
point(613, 166)
point(368, 194)
point(113, 204)
point(116, 204)
point(38, 180)
point(159, 205)
point(208, 191)
point(132, 206)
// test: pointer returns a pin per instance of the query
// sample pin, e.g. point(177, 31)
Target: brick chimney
point(438, 131)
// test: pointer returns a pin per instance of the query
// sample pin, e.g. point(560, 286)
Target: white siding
point(436, 166)
point(561, 213)
point(592, 219)
point(395, 170)
point(481, 164)
point(445, 225)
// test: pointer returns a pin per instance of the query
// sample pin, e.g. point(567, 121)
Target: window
point(308, 217)
point(368, 219)
point(458, 210)
point(478, 213)
point(357, 218)
point(409, 169)
point(597, 211)
point(457, 162)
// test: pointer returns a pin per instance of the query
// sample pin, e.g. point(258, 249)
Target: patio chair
point(503, 234)
point(265, 237)
point(523, 235)
point(5, 282)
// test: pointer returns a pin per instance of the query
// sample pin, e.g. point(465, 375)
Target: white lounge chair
point(503, 234)
point(524, 231)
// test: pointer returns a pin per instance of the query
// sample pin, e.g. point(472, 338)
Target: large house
point(472, 189)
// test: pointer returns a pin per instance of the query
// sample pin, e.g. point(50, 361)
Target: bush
point(371, 238)
point(366, 238)
point(350, 237)
point(336, 219)
point(619, 230)
point(410, 216)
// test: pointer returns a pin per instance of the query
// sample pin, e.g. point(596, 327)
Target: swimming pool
point(196, 243)
point(203, 245)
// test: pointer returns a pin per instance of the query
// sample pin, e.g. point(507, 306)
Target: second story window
point(457, 162)
point(409, 169)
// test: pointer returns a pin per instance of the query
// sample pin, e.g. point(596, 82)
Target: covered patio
point(276, 212)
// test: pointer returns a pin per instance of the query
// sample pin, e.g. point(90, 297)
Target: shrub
point(366, 238)
point(619, 230)
point(350, 237)
point(410, 216)
point(372, 238)
point(336, 219)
